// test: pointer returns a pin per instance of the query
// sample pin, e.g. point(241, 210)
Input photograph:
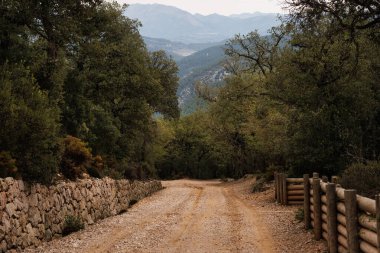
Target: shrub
point(72, 224)
point(96, 168)
point(76, 158)
point(93, 172)
point(259, 185)
point(132, 171)
point(300, 214)
point(29, 125)
point(269, 172)
point(365, 178)
point(7, 165)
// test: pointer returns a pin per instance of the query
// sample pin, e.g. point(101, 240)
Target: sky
point(223, 7)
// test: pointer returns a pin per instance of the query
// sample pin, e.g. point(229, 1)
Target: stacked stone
point(30, 214)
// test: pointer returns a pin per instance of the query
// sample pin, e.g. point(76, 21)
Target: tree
point(165, 71)
point(350, 15)
point(255, 53)
point(115, 87)
point(54, 25)
point(29, 126)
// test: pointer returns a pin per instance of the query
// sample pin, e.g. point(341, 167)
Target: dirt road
point(187, 216)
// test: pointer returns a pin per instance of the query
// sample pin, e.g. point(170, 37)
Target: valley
point(196, 42)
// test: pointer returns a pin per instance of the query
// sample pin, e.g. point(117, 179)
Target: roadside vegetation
point(304, 99)
point(80, 92)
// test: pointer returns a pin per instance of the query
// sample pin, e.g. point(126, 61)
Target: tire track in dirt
point(251, 234)
point(111, 242)
point(188, 216)
point(192, 226)
point(187, 220)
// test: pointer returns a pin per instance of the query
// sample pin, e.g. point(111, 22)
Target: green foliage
point(165, 71)
point(78, 159)
point(29, 128)
point(72, 224)
point(114, 91)
point(190, 152)
point(329, 120)
point(79, 69)
point(7, 165)
point(365, 178)
point(304, 98)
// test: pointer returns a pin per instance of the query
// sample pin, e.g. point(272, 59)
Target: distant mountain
point(171, 23)
point(206, 66)
point(196, 62)
point(252, 15)
point(177, 50)
point(195, 42)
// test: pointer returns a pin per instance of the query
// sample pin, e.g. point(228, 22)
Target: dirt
point(288, 232)
point(188, 216)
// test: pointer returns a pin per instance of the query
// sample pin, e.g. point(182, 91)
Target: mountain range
point(177, 50)
point(171, 23)
point(196, 42)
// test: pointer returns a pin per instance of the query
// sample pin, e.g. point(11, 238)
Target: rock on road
point(187, 216)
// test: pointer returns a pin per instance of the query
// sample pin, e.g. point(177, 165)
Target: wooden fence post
point(278, 188)
point(378, 221)
point(352, 221)
point(279, 182)
point(317, 208)
point(284, 189)
point(306, 200)
point(275, 185)
point(332, 218)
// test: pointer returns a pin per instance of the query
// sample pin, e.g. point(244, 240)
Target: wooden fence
point(288, 191)
point(347, 221)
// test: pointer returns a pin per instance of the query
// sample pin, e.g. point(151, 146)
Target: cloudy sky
point(224, 7)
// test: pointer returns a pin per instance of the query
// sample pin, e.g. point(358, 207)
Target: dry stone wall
point(30, 214)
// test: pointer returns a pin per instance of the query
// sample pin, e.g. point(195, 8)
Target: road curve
point(187, 216)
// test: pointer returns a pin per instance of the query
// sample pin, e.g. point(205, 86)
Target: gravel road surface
point(187, 216)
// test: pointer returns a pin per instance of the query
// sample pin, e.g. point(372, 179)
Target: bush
point(76, 158)
point(29, 125)
point(259, 185)
point(300, 214)
point(72, 224)
point(93, 172)
point(365, 178)
point(97, 167)
point(7, 165)
point(269, 172)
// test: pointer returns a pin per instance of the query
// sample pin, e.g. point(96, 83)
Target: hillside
point(177, 50)
point(160, 21)
point(194, 41)
point(205, 66)
point(196, 62)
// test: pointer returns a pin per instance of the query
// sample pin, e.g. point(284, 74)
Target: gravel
point(195, 216)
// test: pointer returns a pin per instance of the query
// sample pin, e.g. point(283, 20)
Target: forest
point(80, 93)
point(78, 90)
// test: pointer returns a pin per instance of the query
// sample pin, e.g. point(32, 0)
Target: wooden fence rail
point(288, 191)
point(350, 223)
